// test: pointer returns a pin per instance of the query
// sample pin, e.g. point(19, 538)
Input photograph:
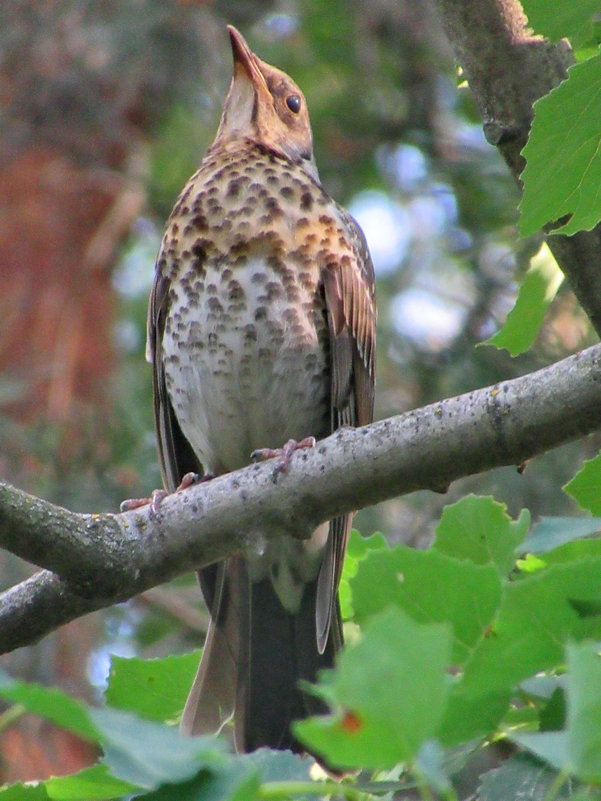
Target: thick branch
point(102, 559)
point(508, 69)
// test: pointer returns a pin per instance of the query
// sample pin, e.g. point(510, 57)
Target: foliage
point(462, 645)
point(563, 159)
point(563, 168)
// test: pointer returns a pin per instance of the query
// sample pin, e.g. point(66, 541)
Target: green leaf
point(538, 615)
point(153, 688)
point(552, 532)
point(239, 779)
point(479, 529)
point(391, 690)
point(91, 784)
point(357, 549)
point(24, 792)
point(521, 776)
point(584, 710)
point(585, 487)
point(50, 703)
point(148, 754)
point(550, 746)
point(232, 783)
point(574, 552)
point(556, 20)
point(431, 587)
point(279, 765)
point(553, 714)
point(467, 718)
point(577, 749)
point(563, 154)
point(538, 289)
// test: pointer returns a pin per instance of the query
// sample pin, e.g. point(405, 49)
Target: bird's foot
point(157, 496)
point(284, 454)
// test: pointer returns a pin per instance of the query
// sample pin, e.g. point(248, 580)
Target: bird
point(261, 332)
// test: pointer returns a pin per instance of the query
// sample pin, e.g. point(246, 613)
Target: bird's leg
point(284, 454)
point(157, 496)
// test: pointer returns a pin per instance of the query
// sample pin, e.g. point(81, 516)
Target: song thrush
point(261, 329)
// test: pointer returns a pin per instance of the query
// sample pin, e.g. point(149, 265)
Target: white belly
point(237, 385)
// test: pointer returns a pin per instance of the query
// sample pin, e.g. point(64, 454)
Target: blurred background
point(105, 110)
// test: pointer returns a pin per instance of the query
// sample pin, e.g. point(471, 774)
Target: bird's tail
point(255, 654)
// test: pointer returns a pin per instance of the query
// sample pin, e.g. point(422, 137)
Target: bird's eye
point(294, 103)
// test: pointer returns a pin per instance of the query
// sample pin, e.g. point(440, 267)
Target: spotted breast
point(246, 342)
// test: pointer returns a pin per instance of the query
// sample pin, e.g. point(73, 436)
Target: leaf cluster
point(489, 635)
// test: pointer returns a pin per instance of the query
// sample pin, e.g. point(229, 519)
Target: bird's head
point(264, 104)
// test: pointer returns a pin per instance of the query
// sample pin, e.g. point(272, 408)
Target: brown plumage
point(261, 328)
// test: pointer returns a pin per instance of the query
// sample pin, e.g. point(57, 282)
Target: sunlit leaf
point(556, 20)
point(431, 587)
point(479, 529)
point(390, 689)
point(585, 487)
point(538, 616)
point(563, 155)
point(538, 288)
point(153, 688)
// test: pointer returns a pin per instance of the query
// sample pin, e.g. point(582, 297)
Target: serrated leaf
point(563, 154)
point(521, 776)
point(586, 484)
point(232, 783)
point(240, 779)
point(538, 615)
point(479, 529)
point(431, 587)
point(50, 703)
point(389, 705)
point(153, 688)
point(556, 20)
point(149, 754)
point(279, 765)
point(550, 533)
point(550, 746)
point(538, 289)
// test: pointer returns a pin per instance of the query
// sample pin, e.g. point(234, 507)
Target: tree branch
point(508, 68)
point(97, 560)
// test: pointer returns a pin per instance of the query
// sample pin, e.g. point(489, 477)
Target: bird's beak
point(246, 61)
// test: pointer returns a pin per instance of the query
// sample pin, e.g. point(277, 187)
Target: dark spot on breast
point(233, 188)
point(199, 251)
point(307, 201)
point(274, 290)
point(287, 192)
point(199, 221)
point(214, 304)
point(235, 290)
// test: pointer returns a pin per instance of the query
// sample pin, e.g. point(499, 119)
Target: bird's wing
point(350, 301)
point(349, 287)
point(175, 453)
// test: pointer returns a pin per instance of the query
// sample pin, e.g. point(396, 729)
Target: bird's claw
point(284, 453)
point(157, 496)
